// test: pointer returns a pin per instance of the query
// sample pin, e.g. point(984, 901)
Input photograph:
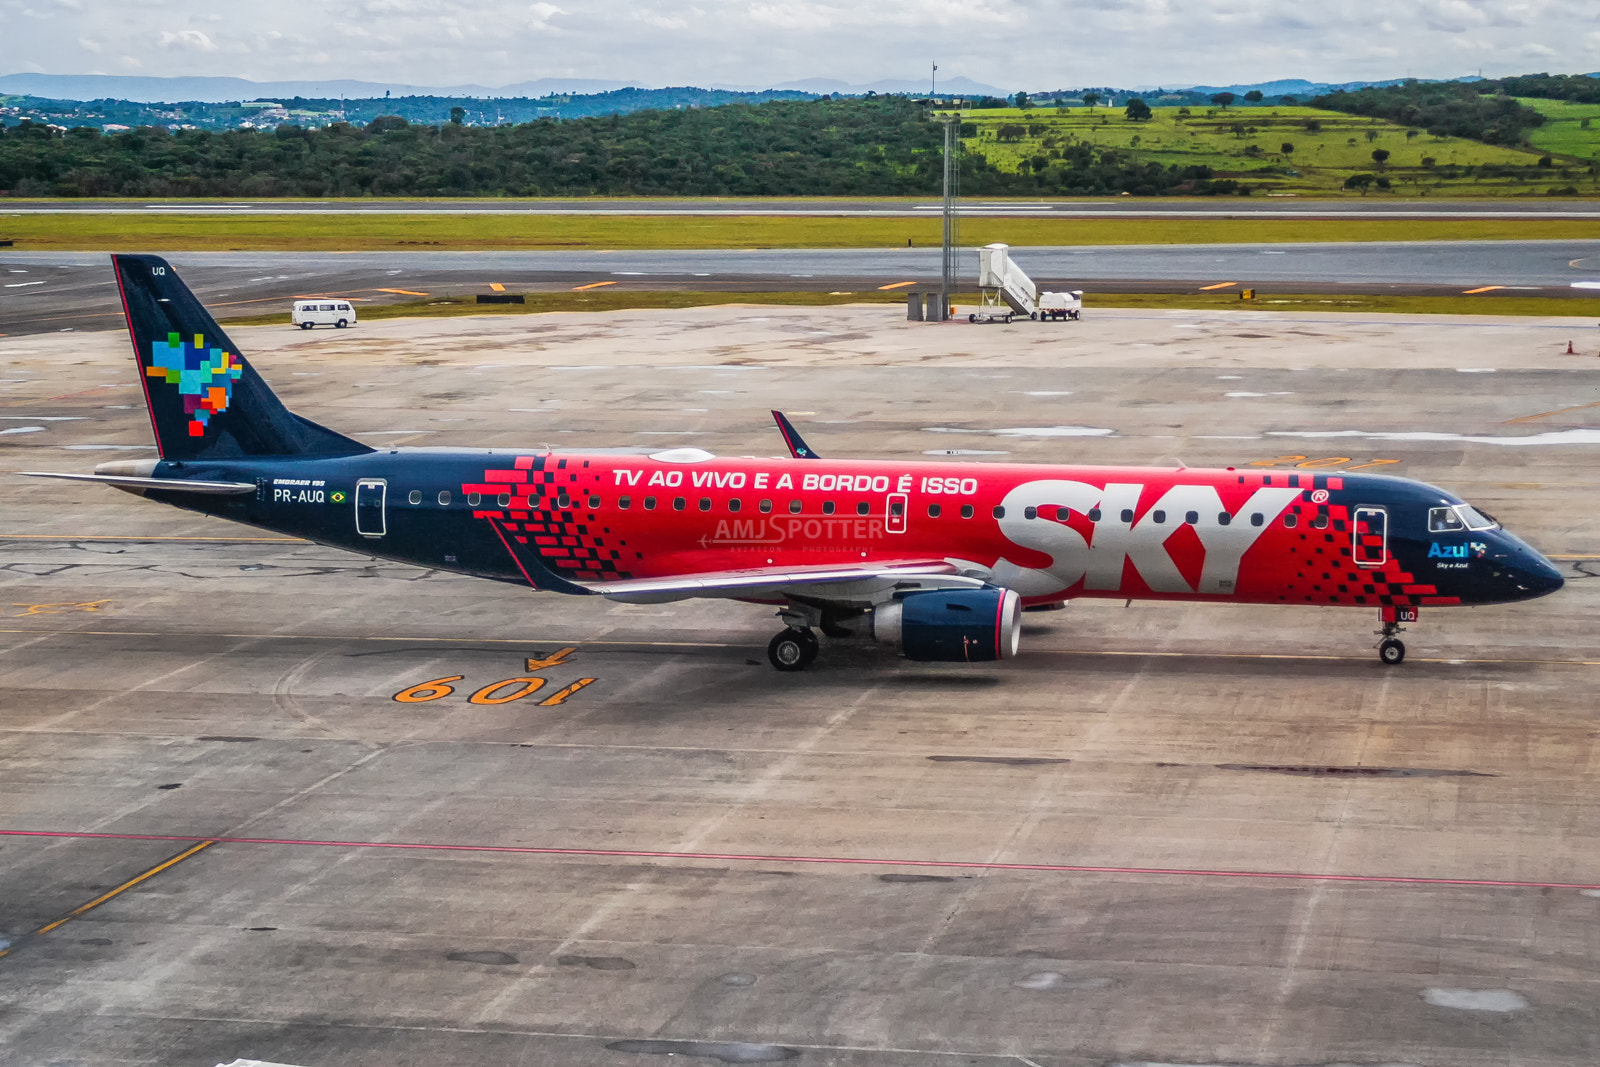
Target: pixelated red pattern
point(546, 520)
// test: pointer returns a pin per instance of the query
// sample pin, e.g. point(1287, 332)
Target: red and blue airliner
point(936, 558)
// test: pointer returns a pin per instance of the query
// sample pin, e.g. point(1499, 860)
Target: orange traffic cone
point(1570, 351)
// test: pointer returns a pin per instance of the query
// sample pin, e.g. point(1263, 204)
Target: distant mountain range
point(217, 90)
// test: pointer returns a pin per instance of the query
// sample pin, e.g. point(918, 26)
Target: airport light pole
point(948, 263)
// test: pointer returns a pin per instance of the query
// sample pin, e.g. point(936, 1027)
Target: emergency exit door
point(1370, 534)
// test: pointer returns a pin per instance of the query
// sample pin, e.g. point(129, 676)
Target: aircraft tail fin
point(205, 400)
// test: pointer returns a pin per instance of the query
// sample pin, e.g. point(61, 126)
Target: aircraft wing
point(865, 584)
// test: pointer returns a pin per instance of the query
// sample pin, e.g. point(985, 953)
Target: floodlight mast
point(948, 262)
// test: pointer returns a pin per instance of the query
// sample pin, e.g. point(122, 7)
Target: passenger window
point(1030, 513)
point(999, 511)
point(794, 507)
point(1127, 515)
point(444, 496)
point(624, 503)
point(766, 506)
point(1192, 518)
point(563, 500)
point(504, 500)
point(1094, 515)
point(649, 503)
point(1320, 522)
point(594, 502)
point(1158, 517)
point(344, 307)
point(415, 496)
point(1257, 519)
point(733, 504)
point(1290, 521)
point(966, 511)
point(679, 503)
point(827, 507)
point(1223, 518)
point(705, 503)
point(864, 507)
point(473, 500)
point(933, 511)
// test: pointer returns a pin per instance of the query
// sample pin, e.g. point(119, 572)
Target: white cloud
point(1033, 44)
point(187, 39)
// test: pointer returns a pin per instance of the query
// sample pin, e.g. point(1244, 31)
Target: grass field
point(353, 233)
point(613, 300)
point(1248, 144)
point(1563, 132)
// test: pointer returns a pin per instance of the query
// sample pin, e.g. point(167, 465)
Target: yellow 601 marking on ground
point(1306, 463)
point(58, 609)
point(501, 692)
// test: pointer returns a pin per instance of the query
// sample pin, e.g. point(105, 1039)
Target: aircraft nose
point(1540, 576)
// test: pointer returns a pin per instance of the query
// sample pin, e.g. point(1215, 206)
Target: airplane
point(938, 559)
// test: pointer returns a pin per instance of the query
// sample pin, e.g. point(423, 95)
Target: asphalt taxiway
point(1165, 834)
point(52, 291)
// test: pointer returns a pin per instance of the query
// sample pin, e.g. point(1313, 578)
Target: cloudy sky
point(1041, 44)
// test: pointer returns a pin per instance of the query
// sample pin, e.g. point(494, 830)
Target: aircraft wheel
point(1392, 651)
point(793, 650)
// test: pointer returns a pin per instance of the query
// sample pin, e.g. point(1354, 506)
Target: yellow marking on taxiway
point(124, 887)
point(497, 287)
point(591, 285)
point(1219, 285)
point(1482, 289)
point(896, 285)
point(402, 292)
point(1557, 411)
point(58, 609)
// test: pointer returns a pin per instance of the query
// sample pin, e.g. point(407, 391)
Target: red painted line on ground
point(970, 865)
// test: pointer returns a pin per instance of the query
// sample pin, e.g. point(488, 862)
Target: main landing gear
point(793, 649)
point(1392, 650)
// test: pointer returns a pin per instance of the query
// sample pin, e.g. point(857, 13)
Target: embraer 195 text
point(935, 558)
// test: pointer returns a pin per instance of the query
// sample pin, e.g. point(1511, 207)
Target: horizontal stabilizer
point(177, 485)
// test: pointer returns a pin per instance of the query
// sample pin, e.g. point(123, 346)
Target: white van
point(337, 313)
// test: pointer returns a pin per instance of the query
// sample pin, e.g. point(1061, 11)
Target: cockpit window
point(1444, 520)
point(1476, 520)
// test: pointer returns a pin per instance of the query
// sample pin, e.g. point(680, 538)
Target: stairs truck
point(1009, 292)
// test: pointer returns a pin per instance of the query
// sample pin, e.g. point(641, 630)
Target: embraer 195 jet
point(936, 558)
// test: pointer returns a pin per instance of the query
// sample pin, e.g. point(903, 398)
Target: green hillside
point(1565, 132)
point(1328, 147)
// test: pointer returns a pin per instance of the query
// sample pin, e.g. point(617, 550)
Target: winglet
point(791, 437)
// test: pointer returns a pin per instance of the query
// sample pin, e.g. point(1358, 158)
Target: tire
point(1008, 320)
point(1034, 315)
point(1392, 652)
point(972, 318)
point(341, 324)
point(792, 650)
point(307, 325)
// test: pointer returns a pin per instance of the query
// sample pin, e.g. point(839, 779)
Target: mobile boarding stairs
point(1008, 292)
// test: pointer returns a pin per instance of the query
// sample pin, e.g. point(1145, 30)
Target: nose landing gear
point(1392, 650)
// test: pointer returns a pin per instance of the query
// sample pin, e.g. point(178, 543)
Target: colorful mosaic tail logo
point(204, 376)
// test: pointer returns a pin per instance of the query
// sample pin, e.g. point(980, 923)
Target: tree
point(1288, 100)
point(1090, 100)
point(458, 115)
point(1254, 96)
point(1023, 102)
point(1222, 100)
point(1137, 110)
point(1359, 181)
point(1380, 156)
point(1428, 162)
point(1372, 135)
point(1287, 148)
point(1312, 125)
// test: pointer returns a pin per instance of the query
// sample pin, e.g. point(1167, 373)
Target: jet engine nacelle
point(952, 626)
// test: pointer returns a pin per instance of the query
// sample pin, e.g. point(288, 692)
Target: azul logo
point(1099, 552)
point(204, 376)
point(1475, 549)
